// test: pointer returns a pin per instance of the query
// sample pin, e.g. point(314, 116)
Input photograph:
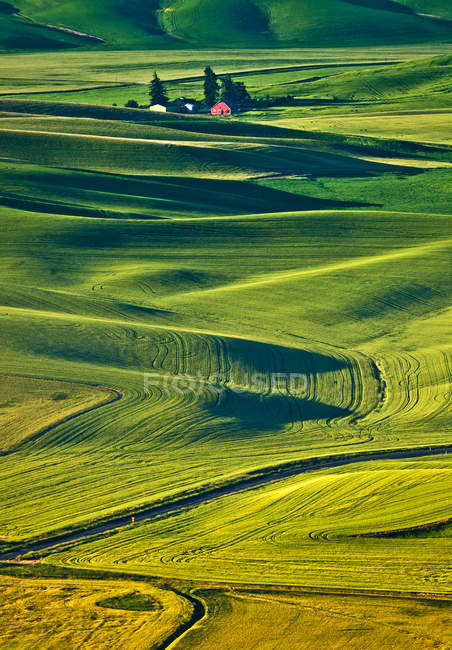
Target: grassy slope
point(344, 22)
point(409, 101)
point(31, 405)
point(17, 33)
point(330, 293)
point(122, 23)
point(293, 532)
point(414, 78)
point(128, 24)
point(250, 23)
point(108, 195)
point(238, 160)
point(428, 191)
point(128, 311)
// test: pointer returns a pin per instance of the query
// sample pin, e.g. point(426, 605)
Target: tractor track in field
point(252, 481)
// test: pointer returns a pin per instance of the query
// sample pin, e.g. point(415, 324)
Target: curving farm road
point(272, 474)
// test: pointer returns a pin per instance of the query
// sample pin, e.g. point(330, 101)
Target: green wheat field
point(225, 341)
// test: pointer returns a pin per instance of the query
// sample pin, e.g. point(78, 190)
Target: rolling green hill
point(293, 532)
point(19, 34)
point(235, 23)
point(431, 76)
point(225, 342)
point(297, 21)
point(119, 238)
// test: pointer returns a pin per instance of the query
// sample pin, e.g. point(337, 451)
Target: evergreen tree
point(211, 87)
point(157, 91)
point(241, 93)
point(234, 91)
point(228, 90)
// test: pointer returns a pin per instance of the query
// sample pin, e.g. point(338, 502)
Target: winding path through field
point(273, 474)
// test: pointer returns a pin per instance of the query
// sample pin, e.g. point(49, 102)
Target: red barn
point(224, 108)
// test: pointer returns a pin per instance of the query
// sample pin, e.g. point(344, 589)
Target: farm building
point(180, 105)
point(159, 108)
point(224, 107)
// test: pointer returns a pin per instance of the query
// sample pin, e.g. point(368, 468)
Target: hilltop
point(30, 24)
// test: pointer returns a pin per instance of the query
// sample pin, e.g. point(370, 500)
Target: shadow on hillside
point(255, 356)
point(141, 311)
point(251, 412)
point(30, 204)
point(254, 366)
point(108, 195)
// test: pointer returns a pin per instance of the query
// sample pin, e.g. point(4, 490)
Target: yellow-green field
point(284, 619)
point(54, 613)
point(102, 614)
point(29, 406)
point(423, 127)
point(304, 531)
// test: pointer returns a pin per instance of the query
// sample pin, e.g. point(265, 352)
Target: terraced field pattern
point(225, 343)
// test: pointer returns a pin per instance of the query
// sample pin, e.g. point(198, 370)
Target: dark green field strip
point(35, 205)
point(434, 528)
point(430, 191)
point(82, 110)
point(114, 196)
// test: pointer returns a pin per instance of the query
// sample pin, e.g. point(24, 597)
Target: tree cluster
point(234, 91)
point(227, 89)
point(214, 89)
